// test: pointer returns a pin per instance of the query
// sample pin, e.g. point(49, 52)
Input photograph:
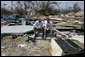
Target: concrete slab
point(15, 29)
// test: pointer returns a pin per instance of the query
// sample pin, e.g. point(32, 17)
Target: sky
point(62, 5)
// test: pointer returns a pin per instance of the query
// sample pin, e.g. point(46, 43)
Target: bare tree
point(18, 8)
point(76, 7)
point(23, 7)
point(44, 7)
point(28, 5)
point(4, 10)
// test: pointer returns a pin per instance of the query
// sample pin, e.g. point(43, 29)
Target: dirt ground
point(19, 47)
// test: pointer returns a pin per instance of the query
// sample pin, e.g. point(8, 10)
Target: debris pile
point(19, 47)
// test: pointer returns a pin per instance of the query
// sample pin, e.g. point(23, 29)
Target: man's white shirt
point(43, 24)
point(46, 24)
point(38, 24)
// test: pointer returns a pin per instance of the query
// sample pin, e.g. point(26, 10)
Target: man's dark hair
point(39, 20)
point(48, 19)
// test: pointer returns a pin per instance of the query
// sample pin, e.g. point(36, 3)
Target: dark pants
point(47, 32)
point(37, 31)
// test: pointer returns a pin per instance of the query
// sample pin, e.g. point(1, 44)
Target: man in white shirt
point(38, 27)
point(48, 27)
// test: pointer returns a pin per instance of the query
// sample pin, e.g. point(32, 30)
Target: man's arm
point(35, 24)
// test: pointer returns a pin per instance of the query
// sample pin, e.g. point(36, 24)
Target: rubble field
point(19, 47)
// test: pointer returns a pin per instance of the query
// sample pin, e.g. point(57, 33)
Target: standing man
point(48, 27)
point(38, 27)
